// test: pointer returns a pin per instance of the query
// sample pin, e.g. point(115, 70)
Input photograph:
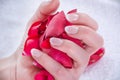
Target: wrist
point(8, 68)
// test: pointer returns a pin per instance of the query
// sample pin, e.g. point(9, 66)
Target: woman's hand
point(86, 33)
point(84, 29)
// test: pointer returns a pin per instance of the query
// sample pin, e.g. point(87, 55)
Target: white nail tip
point(46, 0)
point(72, 17)
point(71, 30)
point(56, 41)
point(35, 52)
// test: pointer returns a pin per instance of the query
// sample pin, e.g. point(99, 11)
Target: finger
point(78, 54)
point(45, 9)
point(82, 19)
point(93, 40)
point(48, 63)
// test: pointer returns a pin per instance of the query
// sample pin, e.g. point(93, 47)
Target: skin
point(18, 67)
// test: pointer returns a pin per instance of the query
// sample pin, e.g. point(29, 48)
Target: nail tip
point(71, 29)
point(72, 17)
point(32, 50)
point(55, 41)
point(35, 52)
point(46, 1)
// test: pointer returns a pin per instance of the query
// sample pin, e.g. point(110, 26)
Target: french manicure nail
point(36, 53)
point(72, 17)
point(47, 1)
point(71, 29)
point(56, 41)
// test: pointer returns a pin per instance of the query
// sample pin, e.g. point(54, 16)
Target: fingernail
point(56, 41)
point(36, 53)
point(53, 13)
point(72, 17)
point(71, 29)
point(46, 1)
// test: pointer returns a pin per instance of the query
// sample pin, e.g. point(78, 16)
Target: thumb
point(44, 10)
point(46, 7)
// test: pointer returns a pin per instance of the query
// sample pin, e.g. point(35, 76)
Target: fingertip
point(36, 53)
point(72, 17)
point(49, 6)
point(56, 41)
point(82, 19)
point(46, 8)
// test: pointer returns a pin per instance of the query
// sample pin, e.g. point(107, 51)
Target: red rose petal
point(29, 44)
point(33, 32)
point(93, 59)
point(43, 75)
point(96, 56)
point(45, 44)
point(101, 50)
point(36, 23)
point(56, 25)
point(72, 11)
point(61, 57)
point(42, 27)
point(50, 18)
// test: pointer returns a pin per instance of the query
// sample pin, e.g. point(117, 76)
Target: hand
point(18, 67)
point(84, 29)
point(85, 32)
point(25, 63)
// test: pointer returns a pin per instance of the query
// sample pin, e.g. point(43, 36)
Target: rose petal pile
point(39, 35)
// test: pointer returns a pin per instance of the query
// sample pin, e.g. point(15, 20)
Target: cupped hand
point(84, 28)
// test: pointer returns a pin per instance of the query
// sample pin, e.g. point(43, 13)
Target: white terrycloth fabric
point(14, 14)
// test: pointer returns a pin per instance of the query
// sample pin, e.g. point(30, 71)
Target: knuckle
point(71, 47)
point(68, 44)
point(93, 24)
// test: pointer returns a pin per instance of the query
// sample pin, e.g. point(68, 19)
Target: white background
point(14, 14)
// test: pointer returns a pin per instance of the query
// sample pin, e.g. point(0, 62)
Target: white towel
point(14, 14)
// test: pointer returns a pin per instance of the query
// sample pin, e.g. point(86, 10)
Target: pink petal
point(45, 44)
point(33, 32)
point(34, 29)
point(56, 25)
point(96, 56)
point(61, 57)
point(42, 27)
point(72, 11)
point(43, 75)
point(29, 44)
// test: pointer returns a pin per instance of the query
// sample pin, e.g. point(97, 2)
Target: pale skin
point(18, 67)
